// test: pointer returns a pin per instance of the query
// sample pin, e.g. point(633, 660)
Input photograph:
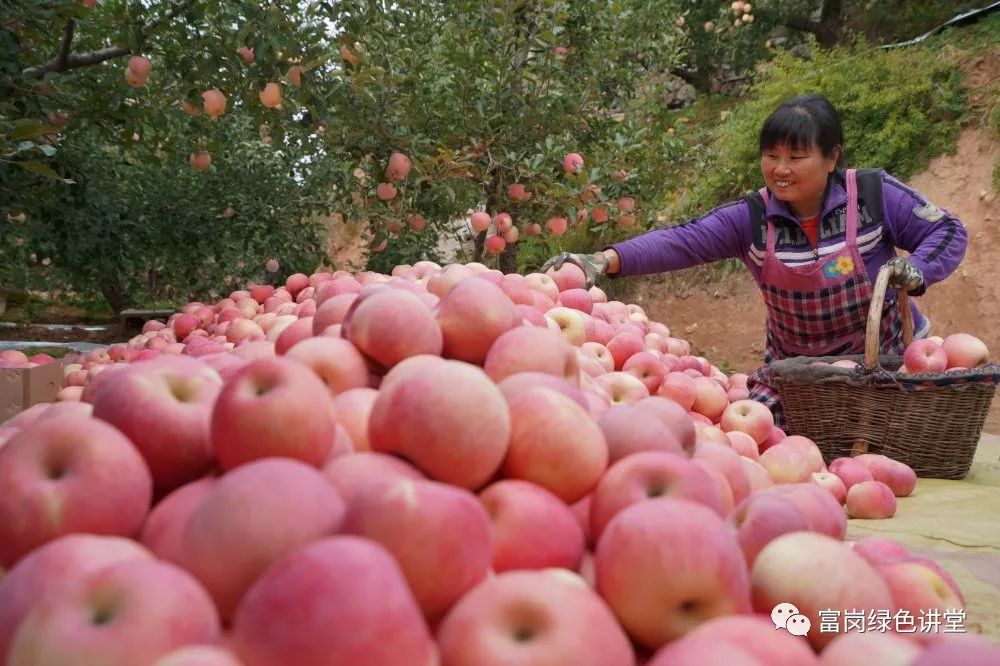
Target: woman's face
point(798, 176)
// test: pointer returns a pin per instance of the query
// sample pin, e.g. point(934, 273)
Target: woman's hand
point(593, 265)
point(904, 275)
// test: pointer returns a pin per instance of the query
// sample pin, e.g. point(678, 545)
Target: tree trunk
point(828, 33)
point(827, 29)
point(479, 245)
point(698, 78)
point(114, 293)
point(492, 205)
point(508, 259)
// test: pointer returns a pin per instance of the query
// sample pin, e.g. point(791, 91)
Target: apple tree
point(486, 99)
point(105, 136)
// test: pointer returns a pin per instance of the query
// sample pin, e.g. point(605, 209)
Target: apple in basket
point(925, 356)
point(965, 351)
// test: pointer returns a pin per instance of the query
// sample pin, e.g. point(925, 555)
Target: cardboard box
point(21, 388)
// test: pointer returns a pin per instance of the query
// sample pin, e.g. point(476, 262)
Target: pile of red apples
point(443, 466)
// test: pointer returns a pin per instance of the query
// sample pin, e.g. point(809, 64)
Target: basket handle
point(872, 338)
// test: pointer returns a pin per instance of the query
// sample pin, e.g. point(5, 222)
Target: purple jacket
point(935, 238)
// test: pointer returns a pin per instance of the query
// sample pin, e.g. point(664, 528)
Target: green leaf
point(47, 149)
point(29, 130)
point(40, 169)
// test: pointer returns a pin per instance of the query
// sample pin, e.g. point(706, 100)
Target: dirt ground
point(725, 322)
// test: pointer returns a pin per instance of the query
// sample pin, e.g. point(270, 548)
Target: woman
point(814, 240)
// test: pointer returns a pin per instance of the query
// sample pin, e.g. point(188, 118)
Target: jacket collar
point(836, 196)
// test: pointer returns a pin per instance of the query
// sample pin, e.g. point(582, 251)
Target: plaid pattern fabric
point(811, 320)
point(761, 388)
point(828, 320)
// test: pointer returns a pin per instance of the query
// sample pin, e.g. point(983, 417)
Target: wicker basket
point(930, 421)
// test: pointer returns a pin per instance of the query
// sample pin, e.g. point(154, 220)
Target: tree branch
point(66, 61)
point(803, 25)
point(67, 42)
point(685, 75)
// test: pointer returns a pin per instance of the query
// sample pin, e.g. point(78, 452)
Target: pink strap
point(852, 207)
point(771, 239)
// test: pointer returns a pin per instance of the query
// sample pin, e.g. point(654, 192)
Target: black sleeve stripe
point(945, 242)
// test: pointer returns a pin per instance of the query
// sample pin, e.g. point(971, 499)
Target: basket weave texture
point(930, 421)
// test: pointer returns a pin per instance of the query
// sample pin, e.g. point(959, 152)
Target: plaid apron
point(820, 308)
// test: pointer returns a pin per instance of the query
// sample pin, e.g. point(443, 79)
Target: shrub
point(898, 127)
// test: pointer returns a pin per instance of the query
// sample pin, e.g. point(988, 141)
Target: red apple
point(352, 472)
point(440, 536)
point(132, 612)
point(871, 499)
point(879, 549)
point(815, 572)
point(883, 648)
point(680, 388)
point(520, 382)
point(753, 634)
point(165, 409)
point(622, 388)
point(832, 483)
point(578, 299)
point(757, 476)
point(821, 510)
point(648, 475)
point(648, 368)
point(925, 356)
point(695, 651)
point(808, 449)
point(744, 444)
point(709, 399)
point(548, 430)
point(449, 419)
point(728, 462)
point(472, 315)
point(252, 517)
point(199, 655)
point(334, 360)
point(677, 420)
point(763, 517)
point(965, 351)
point(917, 588)
point(54, 566)
point(624, 345)
point(569, 276)
point(900, 477)
point(850, 471)
point(532, 528)
point(272, 407)
point(389, 325)
point(533, 617)
point(351, 607)
point(570, 323)
point(163, 531)
point(667, 565)
point(69, 474)
point(786, 464)
point(630, 428)
point(532, 349)
point(958, 649)
point(748, 416)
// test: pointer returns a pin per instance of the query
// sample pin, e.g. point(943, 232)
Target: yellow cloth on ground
point(956, 523)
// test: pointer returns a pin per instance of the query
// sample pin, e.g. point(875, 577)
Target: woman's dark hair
point(803, 122)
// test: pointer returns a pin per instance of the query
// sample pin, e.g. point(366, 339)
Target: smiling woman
point(813, 238)
point(800, 146)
